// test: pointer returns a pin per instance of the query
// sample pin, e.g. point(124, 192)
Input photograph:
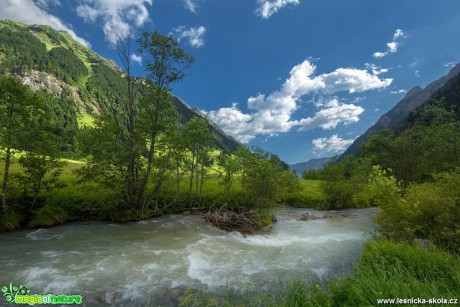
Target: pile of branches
point(238, 219)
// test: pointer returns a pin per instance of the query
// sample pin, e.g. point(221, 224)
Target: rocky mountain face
point(76, 78)
point(415, 98)
point(317, 164)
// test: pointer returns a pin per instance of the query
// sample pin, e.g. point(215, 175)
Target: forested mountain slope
point(414, 99)
point(76, 81)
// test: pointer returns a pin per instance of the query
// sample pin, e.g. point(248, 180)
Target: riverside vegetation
point(138, 158)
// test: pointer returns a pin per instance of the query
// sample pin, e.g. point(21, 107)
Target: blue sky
point(300, 78)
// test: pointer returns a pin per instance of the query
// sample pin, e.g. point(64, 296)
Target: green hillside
point(77, 82)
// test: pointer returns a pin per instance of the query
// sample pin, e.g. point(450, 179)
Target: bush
point(9, 220)
point(427, 211)
point(48, 216)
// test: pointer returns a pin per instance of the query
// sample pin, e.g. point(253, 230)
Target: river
point(155, 260)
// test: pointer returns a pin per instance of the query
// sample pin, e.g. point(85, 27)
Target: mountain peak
point(414, 99)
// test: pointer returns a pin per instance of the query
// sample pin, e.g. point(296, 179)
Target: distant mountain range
point(317, 164)
point(415, 98)
point(77, 81)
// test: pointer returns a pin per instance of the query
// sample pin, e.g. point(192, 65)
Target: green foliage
point(344, 183)
point(427, 211)
point(24, 51)
point(415, 151)
point(9, 220)
point(390, 270)
point(311, 174)
point(40, 172)
point(308, 195)
point(48, 216)
point(107, 87)
point(165, 61)
point(230, 166)
point(21, 119)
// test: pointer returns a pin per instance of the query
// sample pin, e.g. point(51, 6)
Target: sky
point(299, 78)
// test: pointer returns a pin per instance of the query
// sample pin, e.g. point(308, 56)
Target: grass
point(309, 195)
point(85, 120)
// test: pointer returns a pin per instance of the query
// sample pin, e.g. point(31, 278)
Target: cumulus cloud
point(193, 35)
point(333, 144)
point(393, 45)
point(121, 15)
point(271, 114)
point(136, 58)
point(232, 119)
point(333, 114)
point(30, 12)
point(266, 8)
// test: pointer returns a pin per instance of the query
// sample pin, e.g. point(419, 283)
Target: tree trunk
point(5, 177)
point(145, 179)
point(201, 181)
point(177, 180)
point(191, 174)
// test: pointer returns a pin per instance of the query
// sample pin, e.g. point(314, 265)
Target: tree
point(122, 146)
point(20, 112)
point(198, 139)
point(41, 172)
point(230, 166)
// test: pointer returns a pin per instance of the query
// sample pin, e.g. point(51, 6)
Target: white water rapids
point(131, 264)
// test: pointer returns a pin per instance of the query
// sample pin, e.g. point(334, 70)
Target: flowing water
point(155, 260)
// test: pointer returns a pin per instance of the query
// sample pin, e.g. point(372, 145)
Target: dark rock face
point(415, 98)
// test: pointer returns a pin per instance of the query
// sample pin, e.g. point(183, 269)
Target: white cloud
point(353, 80)
point(46, 3)
point(272, 114)
point(376, 70)
point(235, 121)
point(379, 54)
point(27, 11)
point(335, 113)
point(399, 34)
point(393, 45)
point(450, 64)
point(121, 15)
point(193, 35)
point(333, 144)
point(136, 58)
point(191, 6)
point(266, 8)
point(401, 91)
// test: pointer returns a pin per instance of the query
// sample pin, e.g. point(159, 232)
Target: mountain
point(78, 83)
point(414, 99)
point(317, 164)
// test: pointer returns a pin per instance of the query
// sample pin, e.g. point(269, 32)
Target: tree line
point(134, 153)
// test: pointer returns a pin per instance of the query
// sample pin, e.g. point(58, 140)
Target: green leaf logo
point(10, 292)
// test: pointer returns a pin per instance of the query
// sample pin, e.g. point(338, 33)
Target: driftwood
point(239, 219)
